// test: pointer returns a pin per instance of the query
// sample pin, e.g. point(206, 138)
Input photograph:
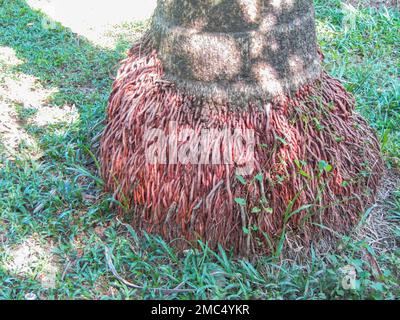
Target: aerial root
point(311, 151)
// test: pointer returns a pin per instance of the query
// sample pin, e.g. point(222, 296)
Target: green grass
point(363, 51)
point(52, 204)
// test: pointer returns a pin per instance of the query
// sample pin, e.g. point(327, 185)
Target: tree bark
point(236, 50)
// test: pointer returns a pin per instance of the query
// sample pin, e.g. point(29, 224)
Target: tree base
point(315, 162)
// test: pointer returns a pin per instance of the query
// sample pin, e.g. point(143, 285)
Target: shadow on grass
point(80, 72)
point(58, 195)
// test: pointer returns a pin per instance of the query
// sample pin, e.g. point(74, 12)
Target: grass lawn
point(58, 237)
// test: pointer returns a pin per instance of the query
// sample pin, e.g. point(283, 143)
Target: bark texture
point(236, 50)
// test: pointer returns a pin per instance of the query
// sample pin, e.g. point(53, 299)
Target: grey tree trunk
point(232, 50)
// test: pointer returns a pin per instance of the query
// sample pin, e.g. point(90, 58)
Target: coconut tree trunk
point(223, 127)
point(237, 49)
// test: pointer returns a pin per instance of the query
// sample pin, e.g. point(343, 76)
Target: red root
point(311, 150)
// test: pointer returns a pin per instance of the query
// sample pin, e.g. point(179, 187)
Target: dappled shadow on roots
point(317, 162)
